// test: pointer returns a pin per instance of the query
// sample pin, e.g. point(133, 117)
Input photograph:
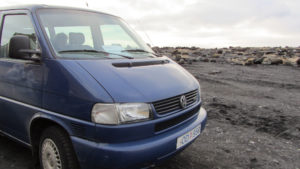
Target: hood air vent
point(143, 63)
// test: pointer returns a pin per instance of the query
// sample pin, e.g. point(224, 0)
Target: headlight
point(120, 113)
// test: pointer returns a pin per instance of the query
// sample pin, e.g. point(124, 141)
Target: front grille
point(172, 104)
point(171, 122)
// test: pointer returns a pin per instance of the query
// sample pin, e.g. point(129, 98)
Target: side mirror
point(19, 48)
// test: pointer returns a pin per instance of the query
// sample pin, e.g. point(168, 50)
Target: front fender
point(73, 126)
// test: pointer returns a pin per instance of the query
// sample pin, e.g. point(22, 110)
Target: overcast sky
point(203, 23)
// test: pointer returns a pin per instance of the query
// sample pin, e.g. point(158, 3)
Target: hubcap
point(50, 155)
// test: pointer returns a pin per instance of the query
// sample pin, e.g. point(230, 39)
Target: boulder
point(276, 61)
point(177, 58)
point(181, 61)
point(184, 50)
point(249, 61)
point(197, 53)
point(270, 52)
point(216, 55)
point(185, 56)
point(295, 61)
point(196, 59)
point(259, 54)
point(220, 51)
point(236, 61)
point(213, 60)
point(272, 61)
point(233, 55)
point(204, 59)
point(258, 60)
point(175, 52)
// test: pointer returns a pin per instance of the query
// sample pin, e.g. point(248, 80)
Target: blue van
point(82, 90)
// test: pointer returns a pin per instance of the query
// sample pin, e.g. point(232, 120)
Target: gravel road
point(254, 121)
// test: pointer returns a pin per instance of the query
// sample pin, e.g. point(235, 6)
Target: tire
point(56, 150)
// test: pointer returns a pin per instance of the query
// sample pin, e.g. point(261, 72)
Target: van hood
point(140, 80)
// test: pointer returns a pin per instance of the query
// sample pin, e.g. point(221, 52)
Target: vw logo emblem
point(183, 101)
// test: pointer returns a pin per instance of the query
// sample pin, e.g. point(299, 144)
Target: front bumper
point(134, 154)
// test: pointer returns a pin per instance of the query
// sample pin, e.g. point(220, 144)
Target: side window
point(16, 25)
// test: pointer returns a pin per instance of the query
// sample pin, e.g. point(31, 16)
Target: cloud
point(206, 23)
point(247, 23)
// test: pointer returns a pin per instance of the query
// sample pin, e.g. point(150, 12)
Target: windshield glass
point(82, 34)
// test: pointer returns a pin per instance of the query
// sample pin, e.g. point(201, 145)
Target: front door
point(20, 80)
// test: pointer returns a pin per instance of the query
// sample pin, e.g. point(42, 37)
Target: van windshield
point(82, 35)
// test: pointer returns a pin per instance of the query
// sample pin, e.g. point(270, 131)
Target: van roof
point(34, 7)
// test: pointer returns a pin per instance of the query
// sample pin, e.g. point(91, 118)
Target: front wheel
point(56, 151)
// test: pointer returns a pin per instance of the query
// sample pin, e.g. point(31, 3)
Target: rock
point(249, 61)
point(213, 60)
point(253, 160)
point(215, 55)
point(275, 161)
point(259, 54)
point(204, 59)
point(290, 53)
point(258, 60)
point(276, 61)
point(297, 55)
point(185, 56)
point(184, 50)
point(220, 51)
point(272, 60)
point(266, 61)
point(215, 72)
point(175, 52)
point(295, 61)
point(233, 55)
point(196, 59)
point(193, 48)
point(177, 58)
point(236, 61)
point(281, 53)
point(270, 52)
point(181, 61)
point(197, 53)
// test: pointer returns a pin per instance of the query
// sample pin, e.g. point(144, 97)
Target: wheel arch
point(37, 125)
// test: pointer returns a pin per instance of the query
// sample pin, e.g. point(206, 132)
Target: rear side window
point(16, 25)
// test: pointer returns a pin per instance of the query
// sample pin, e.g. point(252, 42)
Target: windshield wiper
point(139, 50)
point(135, 50)
point(82, 50)
point(94, 51)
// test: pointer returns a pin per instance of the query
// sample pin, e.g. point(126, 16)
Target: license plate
point(188, 137)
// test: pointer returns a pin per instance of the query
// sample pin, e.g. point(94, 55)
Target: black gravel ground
point(254, 121)
point(254, 118)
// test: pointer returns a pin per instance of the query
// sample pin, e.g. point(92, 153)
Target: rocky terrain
point(234, 55)
point(253, 112)
point(253, 118)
